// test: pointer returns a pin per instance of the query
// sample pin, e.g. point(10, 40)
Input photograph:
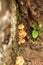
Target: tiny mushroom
point(20, 26)
point(21, 41)
point(19, 60)
point(22, 33)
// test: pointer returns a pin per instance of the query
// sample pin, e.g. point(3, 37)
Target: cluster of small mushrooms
point(21, 33)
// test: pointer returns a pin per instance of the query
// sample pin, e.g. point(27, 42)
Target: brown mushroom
point(22, 33)
point(21, 41)
point(20, 26)
point(19, 60)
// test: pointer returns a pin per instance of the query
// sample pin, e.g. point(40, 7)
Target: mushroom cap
point(19, 60)
point(20, 26)
point(22, 33)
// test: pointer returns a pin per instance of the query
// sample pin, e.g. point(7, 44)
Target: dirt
point(28, 12)
point(32, 53)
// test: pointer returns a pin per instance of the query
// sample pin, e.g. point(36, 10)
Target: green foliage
point(40, 25)
point(35, 31)
point(34, 26)
point(35, 34)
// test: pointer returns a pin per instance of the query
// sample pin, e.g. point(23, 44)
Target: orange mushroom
point(20, 26)
point(19, 60)
point(21, 41)
point(22, 33)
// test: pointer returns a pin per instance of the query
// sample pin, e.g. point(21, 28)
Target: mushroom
point(21, 41)
point(22, 33)
point(20, 26)
point(19, 60)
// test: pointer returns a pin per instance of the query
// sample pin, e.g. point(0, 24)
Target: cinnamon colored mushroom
point(20, 26)
point(22, 33)
point(19, 60)
point(21, 41)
